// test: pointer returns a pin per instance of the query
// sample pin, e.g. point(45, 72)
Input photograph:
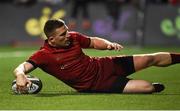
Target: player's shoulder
point(76, 35)
point(41, 51)
point(73, 33)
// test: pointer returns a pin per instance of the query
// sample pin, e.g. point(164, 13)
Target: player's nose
point(67, 34)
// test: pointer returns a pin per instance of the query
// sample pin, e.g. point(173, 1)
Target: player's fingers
point(21, 89)
point(29, 83)
point(117, 47)
point(121, 46)
point(114, 46)
point(109, 47)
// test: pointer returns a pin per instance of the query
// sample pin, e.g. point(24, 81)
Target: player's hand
point(22, 84)
point(114, 46)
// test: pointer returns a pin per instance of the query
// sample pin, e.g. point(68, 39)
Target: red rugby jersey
point(70, 65)
point(73, 67)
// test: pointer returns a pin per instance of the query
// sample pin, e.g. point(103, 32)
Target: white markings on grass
point(15, 54)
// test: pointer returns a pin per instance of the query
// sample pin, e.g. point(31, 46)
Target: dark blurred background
point(130, 22)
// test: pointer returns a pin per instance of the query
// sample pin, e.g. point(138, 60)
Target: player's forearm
point(23, 68)
point(20, 70)
point(99, 43)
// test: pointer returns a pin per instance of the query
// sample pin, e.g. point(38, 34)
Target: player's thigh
point(138, 86)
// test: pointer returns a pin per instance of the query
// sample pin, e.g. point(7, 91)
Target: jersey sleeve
point(83, 40)
point(36, 59)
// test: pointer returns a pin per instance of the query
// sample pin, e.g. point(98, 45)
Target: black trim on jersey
point(33, 63)
point(89, 41)
point(119, 85)
point(127, 64)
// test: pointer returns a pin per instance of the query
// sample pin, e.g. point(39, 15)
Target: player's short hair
point(51, 25)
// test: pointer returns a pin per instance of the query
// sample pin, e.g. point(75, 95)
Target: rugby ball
point(35, 87)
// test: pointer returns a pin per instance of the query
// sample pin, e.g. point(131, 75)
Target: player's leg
point(143, 61)
point(131, 64)
point(126, 85)
point(142, 86)
point(160, 59)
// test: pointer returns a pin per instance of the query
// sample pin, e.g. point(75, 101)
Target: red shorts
point(112, 76)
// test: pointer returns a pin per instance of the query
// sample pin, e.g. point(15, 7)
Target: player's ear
point(51, 38)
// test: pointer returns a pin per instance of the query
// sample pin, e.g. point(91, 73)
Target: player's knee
point(148, 88)
point(139, 86)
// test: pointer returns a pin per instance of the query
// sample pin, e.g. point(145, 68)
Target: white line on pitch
point(15, 54)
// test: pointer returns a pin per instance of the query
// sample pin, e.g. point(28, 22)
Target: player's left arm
point(103, 44)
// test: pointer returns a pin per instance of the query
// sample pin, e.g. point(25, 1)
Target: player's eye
point(63, 34)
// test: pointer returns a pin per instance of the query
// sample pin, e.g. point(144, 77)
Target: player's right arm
point(103, 44)
point(20, 73)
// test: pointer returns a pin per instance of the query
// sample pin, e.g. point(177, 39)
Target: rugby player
point(62, 57)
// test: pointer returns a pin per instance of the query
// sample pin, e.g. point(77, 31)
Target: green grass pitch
point(57, 96)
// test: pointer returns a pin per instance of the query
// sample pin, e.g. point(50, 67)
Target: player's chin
point(67, 44)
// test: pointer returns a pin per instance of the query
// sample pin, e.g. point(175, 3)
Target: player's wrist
point(19, 74)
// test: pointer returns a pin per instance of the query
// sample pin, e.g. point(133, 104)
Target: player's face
point(60, 37)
